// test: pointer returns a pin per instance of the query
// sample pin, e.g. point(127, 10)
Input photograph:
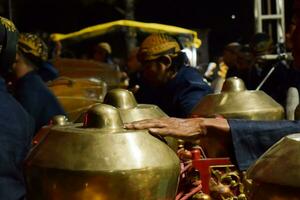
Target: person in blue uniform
point(249, 139)
point(16, 125)
point(167, 80)
point(260, 45)
point(30, 89)
point(47, 72)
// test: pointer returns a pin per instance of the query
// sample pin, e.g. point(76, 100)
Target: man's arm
point(213, 134)
point(192, 128)
point(250, 139)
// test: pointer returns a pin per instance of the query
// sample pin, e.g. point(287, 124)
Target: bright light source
point(233, 16)
point(188, 53)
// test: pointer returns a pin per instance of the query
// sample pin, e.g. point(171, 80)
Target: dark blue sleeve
point(47, 72)
point(17, 130)
point(31, 101)
point(40, 103)
point(49, 108)
point(192, 89)
point(252, 138)
point(37, 99)
point(52, 107)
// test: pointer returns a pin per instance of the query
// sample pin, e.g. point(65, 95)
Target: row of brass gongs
point(129, 164)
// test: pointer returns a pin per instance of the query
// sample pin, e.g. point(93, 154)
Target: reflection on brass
point(247, 183)
point(267, 191)
point(120, 98)
point(91, 88)
point(77, 95)
point(216, 146)
point(226, 183)
point(201, 196)
point(233, 84)
point(60, 120)
point(130, 111)
point(103, 116)
point(236, 102)
point(75, 106)
point(276, 173)
point(82, 163)
point(80, 68)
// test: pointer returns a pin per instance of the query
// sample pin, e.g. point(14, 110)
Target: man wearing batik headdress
point(167, 79)
point(248, 139)
point(16, 125)
point(30, 90)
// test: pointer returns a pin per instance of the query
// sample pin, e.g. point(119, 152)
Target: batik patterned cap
point(157, 45)
point(8, 44)
point(31, 44)
point(8, 24)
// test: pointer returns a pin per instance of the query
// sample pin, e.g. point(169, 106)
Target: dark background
point(65, 16)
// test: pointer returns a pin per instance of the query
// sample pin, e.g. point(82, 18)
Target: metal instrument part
point(235, 101)
point(98, 159)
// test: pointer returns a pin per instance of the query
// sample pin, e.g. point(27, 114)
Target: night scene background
point(223, 21)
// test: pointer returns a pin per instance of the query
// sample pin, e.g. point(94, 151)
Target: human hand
point(213, 133)
point(191, 128)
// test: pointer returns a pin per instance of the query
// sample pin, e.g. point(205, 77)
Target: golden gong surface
point(75, 106)
point(99, 160)
point(131, 111)
point(77, 95)
point(83, 68)
point(276, 174)
point(85, 87)
point(236, 102)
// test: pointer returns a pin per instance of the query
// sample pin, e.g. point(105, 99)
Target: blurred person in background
point(30, 90)
point(245, 64)
point(17, 126)
point(102, 53)
point(230, 58)
point(247, 139)
point(133, 70)
point(167, 80)
point(289, 34)
point(47, 71)
point(275, 86)
point(226, 66)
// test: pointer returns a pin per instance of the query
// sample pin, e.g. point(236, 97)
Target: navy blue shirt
point(252, 138)
point(47, 72)
point(180, 95)
point(37, 99)
point(16, 132)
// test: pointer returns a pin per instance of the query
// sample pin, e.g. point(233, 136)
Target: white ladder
point(265, 12)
